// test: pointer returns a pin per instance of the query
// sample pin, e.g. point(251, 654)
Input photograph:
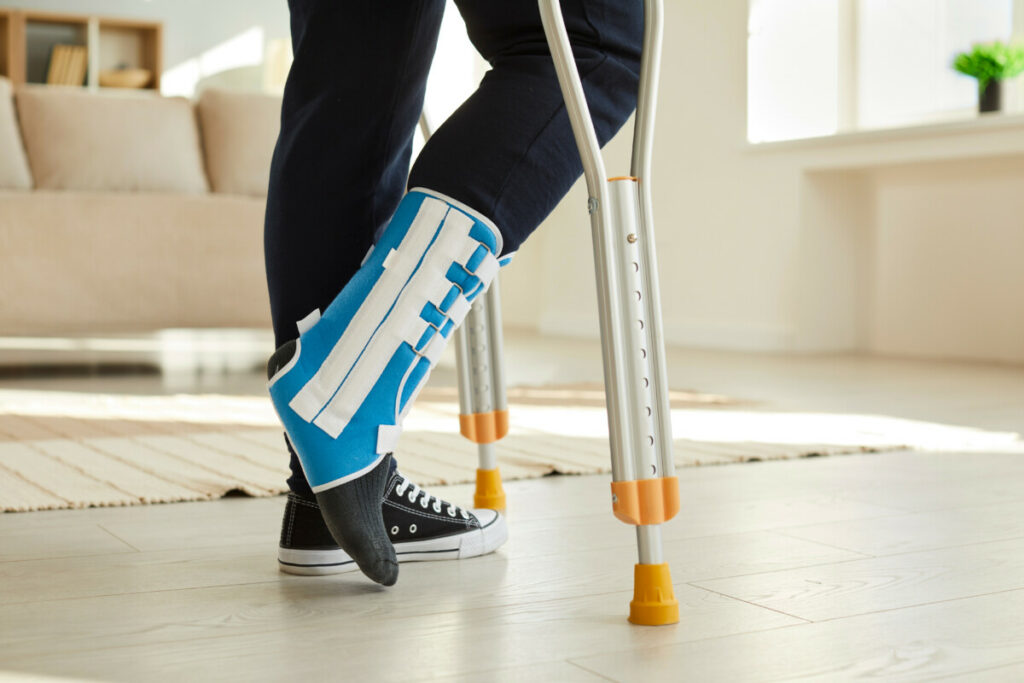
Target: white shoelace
point(425, 499)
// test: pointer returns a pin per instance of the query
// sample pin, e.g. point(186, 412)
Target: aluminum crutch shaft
point(645, 491)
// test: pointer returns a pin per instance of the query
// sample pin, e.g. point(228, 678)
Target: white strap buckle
point(308, 321)
point(387, 438)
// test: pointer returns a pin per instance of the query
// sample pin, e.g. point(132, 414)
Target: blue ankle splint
point(357, 368)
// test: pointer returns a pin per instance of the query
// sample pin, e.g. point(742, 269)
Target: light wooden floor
point(901, 566)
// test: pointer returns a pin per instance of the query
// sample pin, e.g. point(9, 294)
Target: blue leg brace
point(342, 388)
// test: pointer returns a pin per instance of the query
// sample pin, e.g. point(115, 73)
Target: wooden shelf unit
point(27, 38)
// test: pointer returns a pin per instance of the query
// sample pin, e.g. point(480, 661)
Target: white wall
point(902, 243)
point(949, 255)
point(856, 243)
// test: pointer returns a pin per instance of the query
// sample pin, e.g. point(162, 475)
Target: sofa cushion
point(239, 132)
point(96, 262)
point(14, 174)
point(78, 140)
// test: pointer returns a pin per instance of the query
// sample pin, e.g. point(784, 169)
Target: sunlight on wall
point(454, 75)
point(243, 50)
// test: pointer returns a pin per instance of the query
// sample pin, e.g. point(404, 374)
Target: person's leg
point(342, 388)
point(351, 103)
point(508, 151)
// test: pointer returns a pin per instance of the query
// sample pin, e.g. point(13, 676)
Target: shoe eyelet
point(394, 531)
point(424, 503)
point(412, 528)
point(437, 507)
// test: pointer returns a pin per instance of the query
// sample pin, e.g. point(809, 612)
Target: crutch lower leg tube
point(483, 405)
point(645, 491)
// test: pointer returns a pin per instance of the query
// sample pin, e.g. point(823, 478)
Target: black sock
point(352, 512)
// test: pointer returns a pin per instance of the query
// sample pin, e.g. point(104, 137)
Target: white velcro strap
point(458, 310)
point(413, 330)
point(387, 438)
point(370, 365)
point(467, 252)
point(439, 293)
point(403, 261)
point(434, 349)
point(308, 321)
point(361, 328)
point(487, 269)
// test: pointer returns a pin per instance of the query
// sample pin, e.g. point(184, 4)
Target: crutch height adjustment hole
point(654, 468)
point(641, 324)
point(647, 383)
point(638, 297)
point(636, 267)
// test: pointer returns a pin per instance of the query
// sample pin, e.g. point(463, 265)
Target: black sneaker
point(422, 527)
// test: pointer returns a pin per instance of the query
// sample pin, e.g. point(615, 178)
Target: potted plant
point(991, 64)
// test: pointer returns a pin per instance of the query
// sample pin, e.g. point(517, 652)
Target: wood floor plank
point(204, 546)
point(58, 542)
point(249, 526)
point(922, 531)
point(302, 628)
point(700, 557)
point(954, 638)
point(1011, 673)
point(862, 586)
point(561, 671)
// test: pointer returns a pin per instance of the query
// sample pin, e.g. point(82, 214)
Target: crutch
point(645, 490)
point(479, 364)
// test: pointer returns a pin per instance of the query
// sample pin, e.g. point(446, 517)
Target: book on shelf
point(68, 64)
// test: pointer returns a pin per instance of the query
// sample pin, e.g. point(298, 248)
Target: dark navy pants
point(351, 106)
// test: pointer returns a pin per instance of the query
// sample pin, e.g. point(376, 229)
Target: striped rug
point(72, 450)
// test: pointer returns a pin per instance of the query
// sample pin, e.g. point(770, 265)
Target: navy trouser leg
point(353, 97)
point(351, 104)
point(508, 151)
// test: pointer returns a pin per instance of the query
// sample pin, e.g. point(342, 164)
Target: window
point(857, 64)
point(792, 71)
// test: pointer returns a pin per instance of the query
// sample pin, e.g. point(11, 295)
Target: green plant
point(991, 62)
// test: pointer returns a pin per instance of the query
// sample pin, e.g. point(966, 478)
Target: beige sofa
point(124, 212)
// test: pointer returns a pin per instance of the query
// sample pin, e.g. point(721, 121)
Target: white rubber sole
point(492, 534)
